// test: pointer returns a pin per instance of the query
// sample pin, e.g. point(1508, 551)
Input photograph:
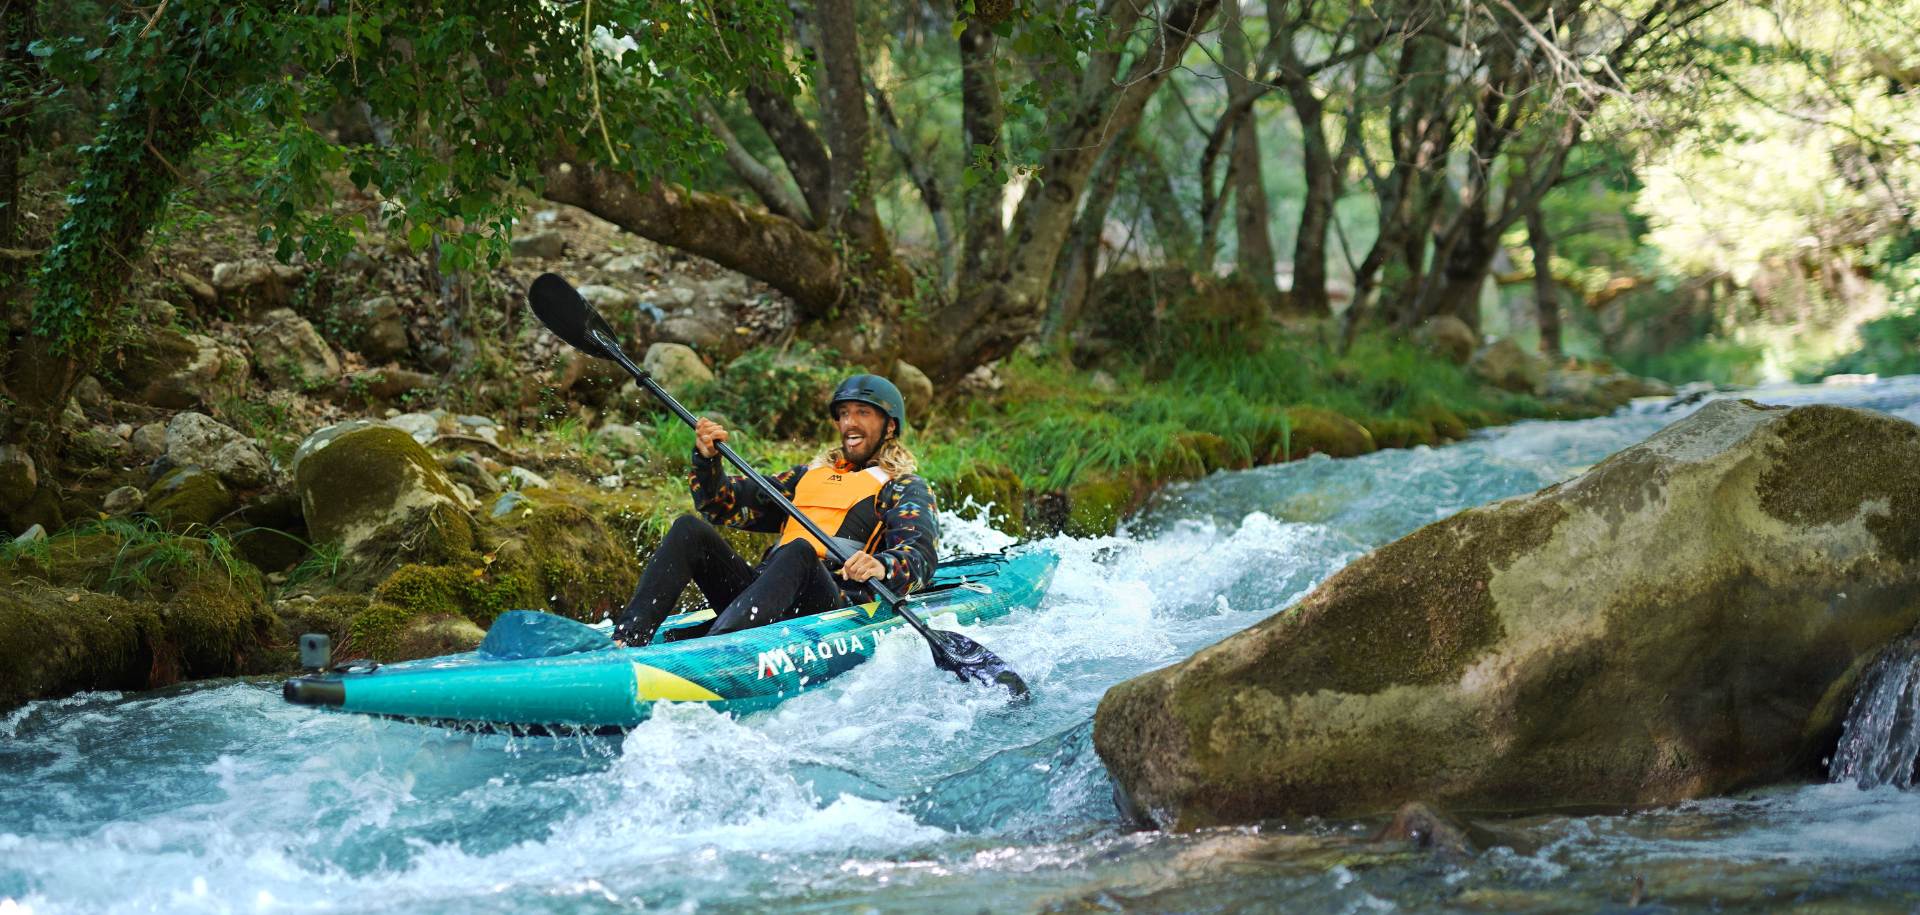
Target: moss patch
point(1414, 612)
point(1401, 433)
point(125, 606)
point(1096, 503)
point(995, 490)
point(187, 497)
point(1313, 430)
point(1883, 459)
point(1444, 422)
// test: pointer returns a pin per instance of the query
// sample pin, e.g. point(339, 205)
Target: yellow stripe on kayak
point(653, 684)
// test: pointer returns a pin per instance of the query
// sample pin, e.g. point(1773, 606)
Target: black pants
point(790, 582)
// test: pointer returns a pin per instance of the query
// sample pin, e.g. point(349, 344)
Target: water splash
point(1881, 740)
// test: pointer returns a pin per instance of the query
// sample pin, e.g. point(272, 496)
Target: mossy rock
point(1315, 430)
point(1096, 503)
point(189, 497)
point(581, 569)
point(381, 497)
point(1192, 455)
point(1445, 422)
point(432, 636)
point(1685, 619)
point(1401, 432)
point(993, 489)
point(179, 609)
point(42, 507)
point(331, 615)
point(63, 640)
point(556, 556)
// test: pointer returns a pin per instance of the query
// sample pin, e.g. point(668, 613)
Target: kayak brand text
point(790, 658)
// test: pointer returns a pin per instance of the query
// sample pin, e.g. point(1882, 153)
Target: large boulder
point(252, 286)
point(195, 438)
point(380, 496)
point(916, 388)
point(19, 478)
point(1686, 618)
point(1505, 365)
point(176, 371)
point(543, 245)
point(675, 366)
point(291, 353)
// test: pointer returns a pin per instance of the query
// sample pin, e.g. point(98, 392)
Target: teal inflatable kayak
point(539, 673)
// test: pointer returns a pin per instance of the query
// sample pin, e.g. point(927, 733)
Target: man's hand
point(707, 435)
point(862, 567)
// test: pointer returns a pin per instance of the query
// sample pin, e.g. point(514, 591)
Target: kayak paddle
point(572, 319)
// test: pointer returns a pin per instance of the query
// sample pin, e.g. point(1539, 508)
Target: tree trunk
point(18, 98)
point(1073, 284)
point(1003, 303)
point(1253, 242)
point(126, 176)
point(1309, 294)
point(980, 120)
point(1546, 302)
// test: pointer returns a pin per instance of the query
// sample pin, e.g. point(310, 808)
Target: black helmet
point(875, 391)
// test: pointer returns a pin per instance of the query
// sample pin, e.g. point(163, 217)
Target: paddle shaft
point(766, 487)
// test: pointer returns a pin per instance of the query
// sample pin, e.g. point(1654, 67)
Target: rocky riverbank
point(367, 451)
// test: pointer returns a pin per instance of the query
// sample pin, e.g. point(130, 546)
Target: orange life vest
point(831, 495)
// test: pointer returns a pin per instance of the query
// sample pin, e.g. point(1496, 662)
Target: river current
point(896, 788)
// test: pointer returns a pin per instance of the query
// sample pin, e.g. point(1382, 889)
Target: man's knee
point(690, 525)
point(793, 552)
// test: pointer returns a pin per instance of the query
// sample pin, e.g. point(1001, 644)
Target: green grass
point(1051, 427)
point(131, 557)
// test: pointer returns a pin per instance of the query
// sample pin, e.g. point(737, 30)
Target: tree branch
point(765, 184)
point(923, 179)
point(798, 262)
point(799, 146)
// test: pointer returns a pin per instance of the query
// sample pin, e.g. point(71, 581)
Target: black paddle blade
point(568, 315)
point(972, 662)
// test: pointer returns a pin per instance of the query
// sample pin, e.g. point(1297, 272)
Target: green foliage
point(781, 393)
point(269, 420)
point(474, 98)
point(1713, 359)
point(1889, 345)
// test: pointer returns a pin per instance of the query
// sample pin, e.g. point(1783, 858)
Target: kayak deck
point(613, 688)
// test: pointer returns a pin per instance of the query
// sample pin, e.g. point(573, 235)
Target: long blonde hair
point(894, 458)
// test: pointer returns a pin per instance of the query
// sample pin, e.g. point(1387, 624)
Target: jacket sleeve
point(734, 501)
point(910, 539)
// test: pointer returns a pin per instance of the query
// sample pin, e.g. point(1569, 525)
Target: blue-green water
point(894, 788)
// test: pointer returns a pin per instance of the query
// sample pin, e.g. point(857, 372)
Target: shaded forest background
point(1693, 189)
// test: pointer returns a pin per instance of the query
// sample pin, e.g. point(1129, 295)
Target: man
point(864, 491)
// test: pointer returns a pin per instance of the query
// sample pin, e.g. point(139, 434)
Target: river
point(896, 788)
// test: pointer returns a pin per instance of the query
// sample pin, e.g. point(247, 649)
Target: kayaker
point(863, 490)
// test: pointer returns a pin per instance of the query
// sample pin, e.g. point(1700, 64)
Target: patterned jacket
point(910, 534)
